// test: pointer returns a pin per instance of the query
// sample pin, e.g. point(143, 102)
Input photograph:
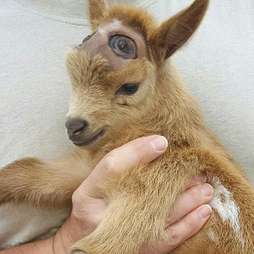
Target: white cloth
point(217, 65)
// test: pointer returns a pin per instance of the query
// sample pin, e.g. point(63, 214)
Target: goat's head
point(114, 70)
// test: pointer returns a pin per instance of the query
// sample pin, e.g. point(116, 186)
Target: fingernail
point(159, 143)
point(207, 189)
point(204, 211)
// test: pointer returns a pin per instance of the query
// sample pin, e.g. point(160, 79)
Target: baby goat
point(124, 88)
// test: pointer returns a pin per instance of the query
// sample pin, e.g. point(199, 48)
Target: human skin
point(190, 213)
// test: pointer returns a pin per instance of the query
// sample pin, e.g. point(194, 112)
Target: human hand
point(189, 215)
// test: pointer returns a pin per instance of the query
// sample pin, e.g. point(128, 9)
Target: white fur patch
point(225, 205)
point(223, 202)
point(20, 223)
point(115, 24)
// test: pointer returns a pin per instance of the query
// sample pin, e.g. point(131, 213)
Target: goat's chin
point(90, 141)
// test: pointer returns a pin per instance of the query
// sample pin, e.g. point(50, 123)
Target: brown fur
point(141, 198)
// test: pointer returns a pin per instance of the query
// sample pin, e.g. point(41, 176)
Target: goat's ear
point(173, 33)
point(97, 9)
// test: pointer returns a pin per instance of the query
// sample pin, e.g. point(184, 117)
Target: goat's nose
point(76, 126)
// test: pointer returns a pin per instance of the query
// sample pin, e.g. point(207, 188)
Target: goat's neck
point(174, 113)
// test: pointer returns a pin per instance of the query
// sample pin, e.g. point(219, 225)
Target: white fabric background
point(217, 65)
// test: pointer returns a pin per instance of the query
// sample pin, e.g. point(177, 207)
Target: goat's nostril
point(76, 126)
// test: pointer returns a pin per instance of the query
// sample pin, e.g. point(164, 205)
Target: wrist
point(71, 231)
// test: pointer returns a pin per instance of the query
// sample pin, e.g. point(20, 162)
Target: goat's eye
point(127, 89)
point(123, 46)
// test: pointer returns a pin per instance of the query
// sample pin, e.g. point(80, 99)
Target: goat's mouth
point(84, 140)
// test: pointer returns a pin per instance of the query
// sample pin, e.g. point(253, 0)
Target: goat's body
point(230, 230)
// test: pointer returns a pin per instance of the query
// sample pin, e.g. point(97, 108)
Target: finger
point(190, 200)
point(130, 155)
point(183, 230)
point(196, 180)
point(188, 227)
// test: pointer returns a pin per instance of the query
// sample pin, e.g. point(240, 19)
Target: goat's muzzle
point(79, 133)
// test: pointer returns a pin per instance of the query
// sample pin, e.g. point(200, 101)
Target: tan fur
point(96, 12)
point(140, 199)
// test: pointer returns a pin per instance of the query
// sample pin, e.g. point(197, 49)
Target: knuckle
point(202, 193)
point(174, 236)
point(110, 162)
point(193, 197)
point(192, 223)
point(195, 192)
point(79, 198)
point(77, 205)
point(76, 197)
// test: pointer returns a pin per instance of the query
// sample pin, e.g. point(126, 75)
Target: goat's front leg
point(139, 206)
point(41, 183)
point(126, 226)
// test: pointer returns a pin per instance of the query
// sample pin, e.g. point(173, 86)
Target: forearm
point(38, 247)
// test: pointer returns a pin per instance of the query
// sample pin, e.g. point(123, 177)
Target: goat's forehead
point(98, 43)
point(115, 26)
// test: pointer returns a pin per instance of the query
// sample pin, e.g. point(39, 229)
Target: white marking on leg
point(223, 202)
